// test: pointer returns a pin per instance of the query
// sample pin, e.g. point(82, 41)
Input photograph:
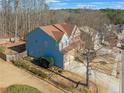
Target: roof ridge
point(57, 28)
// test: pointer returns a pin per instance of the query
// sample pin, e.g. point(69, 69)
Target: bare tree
point(21, 16)
point(2, 17)
point(91, 18)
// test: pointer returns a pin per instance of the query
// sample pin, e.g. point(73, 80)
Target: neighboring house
point(53, 40)
point(117, 28)
point(120, 27)
point(6, 38)
point(95, 36)
point(13, 50)
point(108, 37)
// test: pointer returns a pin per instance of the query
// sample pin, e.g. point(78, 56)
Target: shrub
point(21, 89)
point(2, 48)
point(84, 89)
point(31, 67)
point(27, 58)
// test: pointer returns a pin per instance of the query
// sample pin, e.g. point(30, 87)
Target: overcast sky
point(97, 4)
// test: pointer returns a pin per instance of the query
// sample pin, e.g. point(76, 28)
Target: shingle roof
point(67, 28)
point(52, 31)
point(57, 30)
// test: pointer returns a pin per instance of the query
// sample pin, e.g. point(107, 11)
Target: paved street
point(122, 69)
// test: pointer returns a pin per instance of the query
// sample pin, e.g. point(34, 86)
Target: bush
point(86, 90)
point(27, 58)
point(21, 89)
point(2, 48)
point(31, 67)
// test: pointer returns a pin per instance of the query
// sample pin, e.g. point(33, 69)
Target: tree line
point(20, 16)
point(115, 15)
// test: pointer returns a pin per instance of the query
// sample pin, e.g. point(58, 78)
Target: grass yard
point(21, 89)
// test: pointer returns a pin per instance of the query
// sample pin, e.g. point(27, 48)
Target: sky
point(94, 4)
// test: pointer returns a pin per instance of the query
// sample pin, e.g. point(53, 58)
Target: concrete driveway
point(10, 74)
point(109, 83)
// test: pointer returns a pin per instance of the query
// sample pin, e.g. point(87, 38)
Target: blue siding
point(39, 44)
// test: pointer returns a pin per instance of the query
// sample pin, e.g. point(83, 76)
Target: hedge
point(31, 67)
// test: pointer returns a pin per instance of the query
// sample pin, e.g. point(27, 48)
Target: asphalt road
point(122, 69)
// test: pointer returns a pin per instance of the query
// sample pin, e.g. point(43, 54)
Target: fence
point(10, 57)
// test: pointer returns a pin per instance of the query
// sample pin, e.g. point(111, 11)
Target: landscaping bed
point(21, 89)
point(43, 73)
point(62, 80)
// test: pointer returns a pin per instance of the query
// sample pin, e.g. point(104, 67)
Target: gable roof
point(58, 30)
point(67, 28)
point(53, 32)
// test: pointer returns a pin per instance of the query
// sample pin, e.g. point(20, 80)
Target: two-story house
point(61, 37)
